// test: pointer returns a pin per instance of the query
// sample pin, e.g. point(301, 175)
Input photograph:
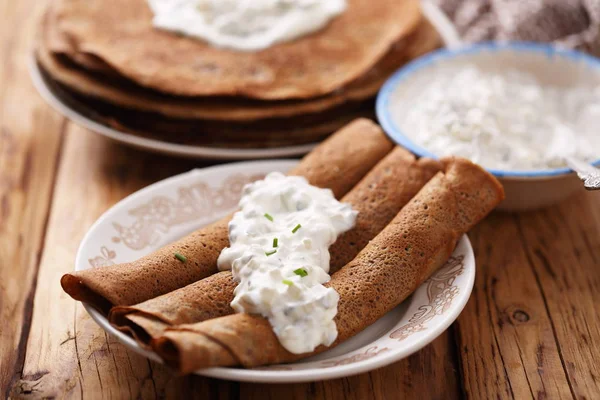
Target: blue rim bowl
point(383, 110)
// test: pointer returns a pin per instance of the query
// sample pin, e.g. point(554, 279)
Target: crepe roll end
point(142, 327)
point(78, 290)
point(476, 189)
point(206, 352)
point(168, 351)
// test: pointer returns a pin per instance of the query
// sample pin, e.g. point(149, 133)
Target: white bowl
point(567, 68)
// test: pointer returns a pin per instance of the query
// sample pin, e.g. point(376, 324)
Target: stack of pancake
point(106, 59)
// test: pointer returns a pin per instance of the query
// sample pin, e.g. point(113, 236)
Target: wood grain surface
point(530, 330)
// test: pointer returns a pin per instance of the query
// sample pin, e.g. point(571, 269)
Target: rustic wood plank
point(30, 136)
point(67, 353)
point(505, 336)
point(563, 248)
point(431, 372)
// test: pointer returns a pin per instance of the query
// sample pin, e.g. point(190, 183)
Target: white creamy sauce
point(279, 254)
point(508, 121)
point(246, 25)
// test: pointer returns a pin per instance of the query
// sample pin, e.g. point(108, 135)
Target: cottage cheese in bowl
point(518, 109)
point(507, 120)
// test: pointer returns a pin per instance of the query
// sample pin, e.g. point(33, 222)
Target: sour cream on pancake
point(245, 25)
point(279, 254)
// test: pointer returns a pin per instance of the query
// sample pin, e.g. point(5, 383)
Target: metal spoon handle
point(587, 173)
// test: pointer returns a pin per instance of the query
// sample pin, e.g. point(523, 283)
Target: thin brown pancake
point(86, 75)
point(338, 164)
point(218, 134)
point(377, 197)
point(121, 34)
point(265, 133)
point(415, 244)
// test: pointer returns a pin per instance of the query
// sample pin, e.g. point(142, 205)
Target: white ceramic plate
point(167, 210)
point(56, 99)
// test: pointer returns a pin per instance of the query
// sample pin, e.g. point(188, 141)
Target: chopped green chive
point(270, 253)
point(301, 272)
point(180, 257)
point(296, 228)
point(269, 217)
point(275, 242)
point(286, 282)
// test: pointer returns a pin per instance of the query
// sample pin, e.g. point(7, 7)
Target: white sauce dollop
point(247, 25)
point(279, 254)
point(504, 121)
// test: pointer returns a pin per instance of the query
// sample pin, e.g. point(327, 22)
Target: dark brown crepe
point(377, 197)
point(338, 164)
point(415, 244)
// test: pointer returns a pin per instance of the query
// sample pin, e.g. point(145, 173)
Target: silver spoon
point(587, 173)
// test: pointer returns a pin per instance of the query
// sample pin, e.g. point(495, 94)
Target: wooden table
point(530, 329)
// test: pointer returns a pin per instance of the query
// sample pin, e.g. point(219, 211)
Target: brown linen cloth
point(570, 23)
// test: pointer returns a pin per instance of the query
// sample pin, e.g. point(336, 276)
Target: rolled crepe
point(338, 163)
point(417, 242)
point(377, 197)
